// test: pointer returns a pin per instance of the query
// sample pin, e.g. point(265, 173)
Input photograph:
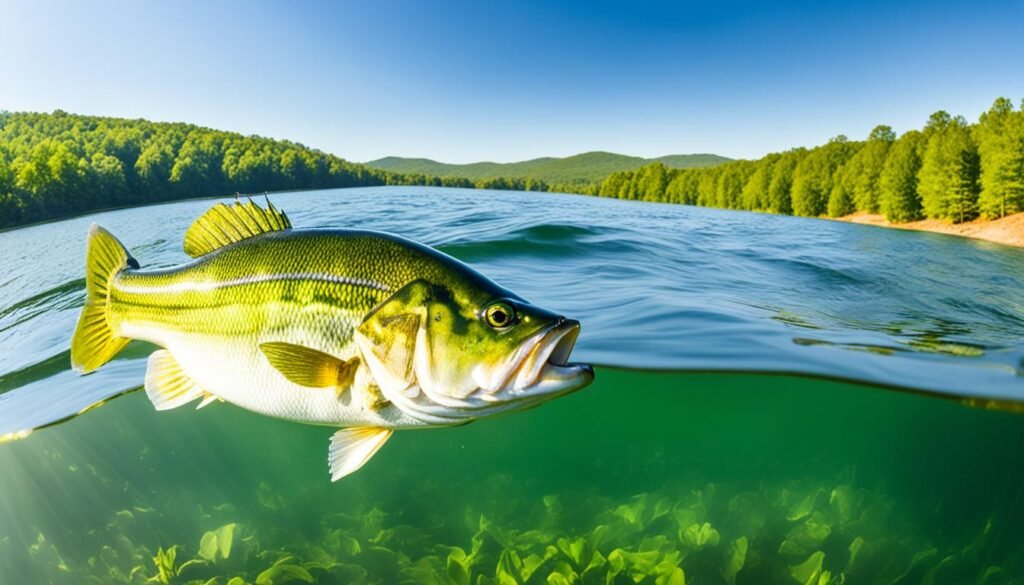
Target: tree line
point(950, 170)
point(59, 164)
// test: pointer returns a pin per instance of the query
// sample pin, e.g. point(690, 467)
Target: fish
point(364, 331)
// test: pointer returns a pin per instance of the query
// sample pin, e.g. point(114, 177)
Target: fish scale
point(229, 301)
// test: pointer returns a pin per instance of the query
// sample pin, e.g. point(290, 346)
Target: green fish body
point(347, 328)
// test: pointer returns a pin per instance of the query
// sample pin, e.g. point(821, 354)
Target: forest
point(950, 170)
point(59, 164)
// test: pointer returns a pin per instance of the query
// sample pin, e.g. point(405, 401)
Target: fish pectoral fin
point(351, 448)
point(225, 224)
point(346, 375)
point(166, 384)
point(310, 367)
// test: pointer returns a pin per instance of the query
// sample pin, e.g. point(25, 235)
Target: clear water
point(661, 472)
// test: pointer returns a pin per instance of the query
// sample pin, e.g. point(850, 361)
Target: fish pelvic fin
point(167, 385)
point(225, 224)
point(95, 342)
point(352, 448)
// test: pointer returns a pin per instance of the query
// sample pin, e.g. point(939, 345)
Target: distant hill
point(581, 168)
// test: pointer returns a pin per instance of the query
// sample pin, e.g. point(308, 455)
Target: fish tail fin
point(95, 342)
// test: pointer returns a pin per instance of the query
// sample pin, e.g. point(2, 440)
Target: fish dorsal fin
point(167, 385)
point(309, 367)
point(352, 448)
point(225, 224)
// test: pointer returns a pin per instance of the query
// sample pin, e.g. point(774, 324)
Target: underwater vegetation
point(799, 532)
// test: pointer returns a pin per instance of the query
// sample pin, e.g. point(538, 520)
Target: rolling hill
point(581, 168)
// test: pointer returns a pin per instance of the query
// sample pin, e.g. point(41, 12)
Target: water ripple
point(656, 286)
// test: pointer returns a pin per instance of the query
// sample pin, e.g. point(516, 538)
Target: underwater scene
point(776, 400)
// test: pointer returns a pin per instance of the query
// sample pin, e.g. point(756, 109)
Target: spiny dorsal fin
point(166, 385)
point(309, 367)
point(226, 224)
point(353, 447)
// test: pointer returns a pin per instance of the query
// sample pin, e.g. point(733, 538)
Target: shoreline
point(1008, 230)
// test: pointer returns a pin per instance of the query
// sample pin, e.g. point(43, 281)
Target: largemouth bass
point(347, 328)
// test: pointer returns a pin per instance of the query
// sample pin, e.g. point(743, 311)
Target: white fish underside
point(236, 371)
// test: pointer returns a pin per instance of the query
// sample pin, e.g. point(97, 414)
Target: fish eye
point(500, 315)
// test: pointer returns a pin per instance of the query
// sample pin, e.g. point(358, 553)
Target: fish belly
point(237, 372)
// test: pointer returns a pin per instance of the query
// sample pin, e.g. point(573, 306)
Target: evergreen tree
point(948, 180)
point(866, 166)
point(855, 187)
point(1000, 138)
point(898, 197)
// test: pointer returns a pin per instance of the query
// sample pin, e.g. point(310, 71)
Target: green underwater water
point(654, 474)
point(644, 477)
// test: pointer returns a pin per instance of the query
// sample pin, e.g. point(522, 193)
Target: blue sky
point(467, 81)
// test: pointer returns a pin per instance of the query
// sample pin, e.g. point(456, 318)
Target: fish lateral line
point(212, 285)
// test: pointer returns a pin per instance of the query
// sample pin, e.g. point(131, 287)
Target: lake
point(777, 400)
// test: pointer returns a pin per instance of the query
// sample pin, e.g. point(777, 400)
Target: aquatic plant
point(801, 533)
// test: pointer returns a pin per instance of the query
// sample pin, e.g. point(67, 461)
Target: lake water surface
point(778, 400)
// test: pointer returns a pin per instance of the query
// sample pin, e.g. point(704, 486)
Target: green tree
point(1000, 138)
point(731, 179)
point(813, 177)
point(107, 181)
point(950, 168)
point(60, 163)
point(840, 199)
point(613, 185)
point(54, 164)
point(755, 192)
point(683, 187)
point(781, 186)
point(153, 168)
point(6, 177)
point(899, 200)
point(199, 166)
point(855, 186)
point(865, 167)
point(707, 187)
point(651, 182)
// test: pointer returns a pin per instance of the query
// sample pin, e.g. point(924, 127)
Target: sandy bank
point(1008, 230)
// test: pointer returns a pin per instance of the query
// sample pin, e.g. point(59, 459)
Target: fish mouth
point(537, 371)
point(545, 368)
